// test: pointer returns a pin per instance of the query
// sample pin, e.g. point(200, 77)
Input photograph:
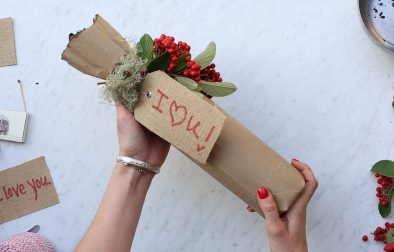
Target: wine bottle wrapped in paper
point(210, 137)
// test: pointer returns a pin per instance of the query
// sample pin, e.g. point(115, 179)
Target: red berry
point(196, 67)
point(197, 78)
point(188, 58)
point(384, 202)
point(365, 238)
point(212, 65)
point(389, 247)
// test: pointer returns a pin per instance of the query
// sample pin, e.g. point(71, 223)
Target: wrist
point(131, 175)
point(133, 154)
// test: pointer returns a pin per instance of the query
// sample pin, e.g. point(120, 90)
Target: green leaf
point(384, 167)
point(385, 210)
point(206, 57)
point(181, 63)
point(217, 88)
point(201, 95)
point(187, 82)
point(160, 63)
point(393, 104)
point(390, 236)
point(145, 48)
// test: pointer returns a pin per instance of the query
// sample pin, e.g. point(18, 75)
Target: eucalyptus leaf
point(206, 57)
point(201, 95)
point(390, 236)
point(160, 63)
point(217, 88)
point(145, 48)
point(181, 63)
point(187, 82)
point(384, 167)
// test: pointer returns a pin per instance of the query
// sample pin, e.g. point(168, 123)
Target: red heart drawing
point(200, 147)
point(174, 110)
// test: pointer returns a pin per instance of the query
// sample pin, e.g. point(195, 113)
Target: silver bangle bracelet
point(142, 165)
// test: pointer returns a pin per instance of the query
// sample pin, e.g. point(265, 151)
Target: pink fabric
point(26, 242)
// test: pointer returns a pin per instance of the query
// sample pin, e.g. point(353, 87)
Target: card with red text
point(179, 116)
point(26, 188)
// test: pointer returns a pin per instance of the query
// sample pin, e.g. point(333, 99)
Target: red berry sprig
point(383, 191)
point(167, 44)
point(209, 74)
point(192, 70)
point(380, 234)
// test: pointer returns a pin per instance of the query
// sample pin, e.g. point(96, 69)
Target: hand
point(136, 141)
point(288, 232)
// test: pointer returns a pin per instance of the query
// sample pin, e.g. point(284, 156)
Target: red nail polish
point(262, 192)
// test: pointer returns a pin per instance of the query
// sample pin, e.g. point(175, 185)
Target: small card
point(179, 116)
point(13, 125)
point(7, 43)
point(26, 188)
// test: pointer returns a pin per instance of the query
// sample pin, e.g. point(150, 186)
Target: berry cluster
point(209, 74)
point(383, 191)
point(193, 69)
point(380, 232)
point(167, 44)
point(380, 235)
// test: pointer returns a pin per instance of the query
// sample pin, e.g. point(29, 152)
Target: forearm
point(116, 220)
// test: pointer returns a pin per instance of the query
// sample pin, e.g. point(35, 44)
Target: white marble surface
point(311, 84)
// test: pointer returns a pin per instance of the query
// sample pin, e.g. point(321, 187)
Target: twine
point(26, 242)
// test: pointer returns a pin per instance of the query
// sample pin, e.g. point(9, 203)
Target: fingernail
point(262, 192)
point(296, 160)
point(250, 209)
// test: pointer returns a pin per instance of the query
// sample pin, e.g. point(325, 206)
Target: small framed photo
point(13, 125)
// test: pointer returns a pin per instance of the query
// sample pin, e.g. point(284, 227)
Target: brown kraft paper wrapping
point(239, 160)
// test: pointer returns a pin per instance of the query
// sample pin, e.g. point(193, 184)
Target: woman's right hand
point(287, 233)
